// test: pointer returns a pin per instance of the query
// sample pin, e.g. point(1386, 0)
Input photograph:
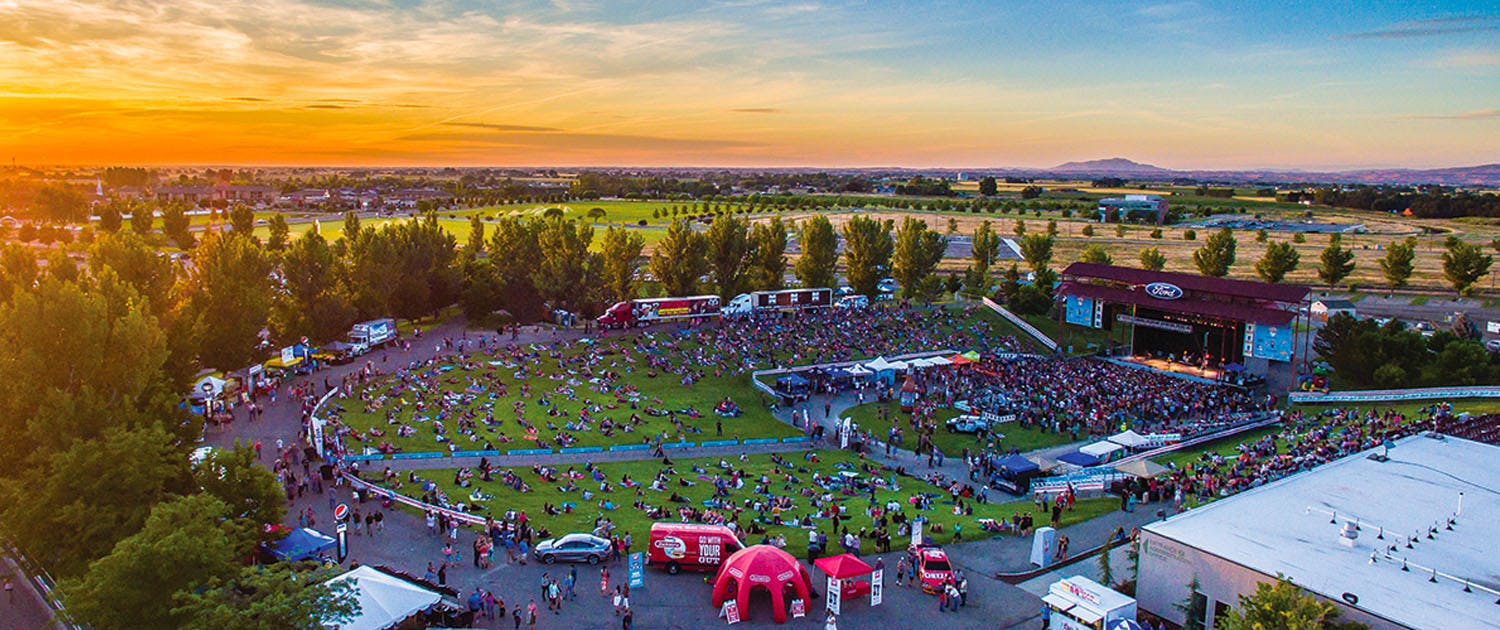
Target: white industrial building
point(1410, 540)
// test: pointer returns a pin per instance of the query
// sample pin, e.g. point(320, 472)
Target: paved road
point(24, 608)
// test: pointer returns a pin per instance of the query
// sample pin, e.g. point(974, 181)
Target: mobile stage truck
point(650, 311)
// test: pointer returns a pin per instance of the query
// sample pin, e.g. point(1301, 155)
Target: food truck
point(1079, 603)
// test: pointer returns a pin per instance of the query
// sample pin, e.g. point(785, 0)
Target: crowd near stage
point(1237, 331)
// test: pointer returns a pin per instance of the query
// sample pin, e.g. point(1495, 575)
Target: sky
point(1195, 84)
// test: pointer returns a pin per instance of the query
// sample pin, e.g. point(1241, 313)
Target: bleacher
point(1483, 428)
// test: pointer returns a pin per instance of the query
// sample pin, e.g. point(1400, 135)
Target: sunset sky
point(1325, 84)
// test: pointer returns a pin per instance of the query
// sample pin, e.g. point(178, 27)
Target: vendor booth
point(766, 567)
point(843, 572)
point(1105, 451)
point(793, 387)
point(1130, 439)
point(1013, 474)
point(301, 544)
point(884, 371)
point(1078, 458)
point(385, 601)
point(1142, 468)
point(1079, 603)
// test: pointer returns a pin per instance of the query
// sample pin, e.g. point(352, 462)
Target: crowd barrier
point(1393, 395)
point(370, 457)
point(1022, 324)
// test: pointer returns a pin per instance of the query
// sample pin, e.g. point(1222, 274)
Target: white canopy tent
point(384, 600)
point(899, 366)
point(1130, 439)
point(879, 365)
point(938, 361)
point(860, 370)
point(1103, 450)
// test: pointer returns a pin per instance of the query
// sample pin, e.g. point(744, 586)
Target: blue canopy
point(837, 373)
point(1015, 464)
point(1079, 458)
point(301, 544)
point(792, 380)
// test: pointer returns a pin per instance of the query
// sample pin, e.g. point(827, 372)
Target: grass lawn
point(1083, 340)
point(953, 444)
point(477, 391)
point(700, 472)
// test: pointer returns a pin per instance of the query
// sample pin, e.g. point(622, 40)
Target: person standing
point(603, 580)
point(831, 622)
point(569, 582)
point(10, 591)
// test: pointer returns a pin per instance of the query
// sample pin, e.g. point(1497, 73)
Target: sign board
point(1079, 311)
point(341, 512)
point(288, 355)
point(1492, 328)
point(732, 612)
point(1164, 290)
point(343, 536)
point(1158, 324)
point(877, 587)
point(637, 569)
point(844, 433)
point(916, 532)
point(835, 592)
point(799, 608)
point(317, 435)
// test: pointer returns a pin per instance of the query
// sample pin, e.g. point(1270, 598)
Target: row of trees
point(97, 485)
point(1371, 355)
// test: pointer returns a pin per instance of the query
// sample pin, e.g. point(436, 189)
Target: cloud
point(325, 106)
point(756, 110)
point(499, 127)
point(1478, 114)
point(1431, 27)
point(1470, 59)
point(248, 99)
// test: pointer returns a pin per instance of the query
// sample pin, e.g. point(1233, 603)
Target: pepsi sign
point(1163, 290)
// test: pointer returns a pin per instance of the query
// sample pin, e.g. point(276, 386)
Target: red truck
point(649, 311)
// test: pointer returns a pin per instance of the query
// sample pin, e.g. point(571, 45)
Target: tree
point(1031, 192)
point(481, 291)
point(1281, 604)
point(61, 266)
point(18, 269)
point(1279, 260)
point(1397, 262)
point(280, 595)
point(766, 265)
point(728, 245)
point(621, 253)
point(1216, 255)
point(280, 233)
point(309, 302)
point(1095, 253)
point(141, 219)
point(352, 226)
point(249, 491)
point(1106, 570)
point(867, 253)
point(596, 214)
point(1036, 250)
point(1464, 264)
point(427, 278)
point(513, 251)
point(1195, 608)
point(1020, 228)
point(176, 224)
point(681, 257)
point(988, 187)
point(61, 204)
point(110, 219)
point(1088, 230)
point(819, 246)
point(915, 254)
point(1336, 262)
point(1153, 259)
point(229, 298)
point(986, 246)
point(185, 541)
point(242, 221)
point(475, 244)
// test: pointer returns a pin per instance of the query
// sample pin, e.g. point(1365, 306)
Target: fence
point(1022, 324)
point(1392, 395)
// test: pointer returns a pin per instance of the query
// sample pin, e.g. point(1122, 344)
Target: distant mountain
point(1114, 167)
point(1481, 175)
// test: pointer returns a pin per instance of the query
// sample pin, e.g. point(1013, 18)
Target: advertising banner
point(637, 569)
point(835, 591)
point(877, 587)
point(1079, 311)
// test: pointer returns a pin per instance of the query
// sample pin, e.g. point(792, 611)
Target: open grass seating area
point(777, 499)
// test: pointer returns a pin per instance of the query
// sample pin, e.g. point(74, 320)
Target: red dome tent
point(761, 566)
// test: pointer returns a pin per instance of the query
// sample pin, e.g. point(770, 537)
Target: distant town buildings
point(1134, 208)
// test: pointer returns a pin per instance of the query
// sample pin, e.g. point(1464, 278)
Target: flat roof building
point(1133, 209)
point(1392, 541)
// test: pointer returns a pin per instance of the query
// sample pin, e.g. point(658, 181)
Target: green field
point(796, 482)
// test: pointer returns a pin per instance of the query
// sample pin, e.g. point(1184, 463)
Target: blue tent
point(1014, 464)
point(1079, 458)
point(791, 381)
point(301, 544)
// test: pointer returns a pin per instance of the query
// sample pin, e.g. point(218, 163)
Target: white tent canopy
point(1101, 449)
point(215, 386)
point(935, 361)
point(897, 365)
point(860, 370)
point(880, 365)
point(1129, 439)
point(384, 600)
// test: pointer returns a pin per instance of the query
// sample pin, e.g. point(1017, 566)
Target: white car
point(1493, 345)
point(967, 423)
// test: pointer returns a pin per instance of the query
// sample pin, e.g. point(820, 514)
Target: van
point(690, 546)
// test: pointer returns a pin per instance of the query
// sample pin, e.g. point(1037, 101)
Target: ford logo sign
point(1163, 291)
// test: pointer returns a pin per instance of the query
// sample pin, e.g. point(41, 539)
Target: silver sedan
point(574, 548)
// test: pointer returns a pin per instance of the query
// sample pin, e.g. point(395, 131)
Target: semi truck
point(366, 336)
point(786, 300)
point(649, 311)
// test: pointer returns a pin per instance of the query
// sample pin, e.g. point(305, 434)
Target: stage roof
point(1224, 310)
point(1283, 527)
point(1190, 282)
